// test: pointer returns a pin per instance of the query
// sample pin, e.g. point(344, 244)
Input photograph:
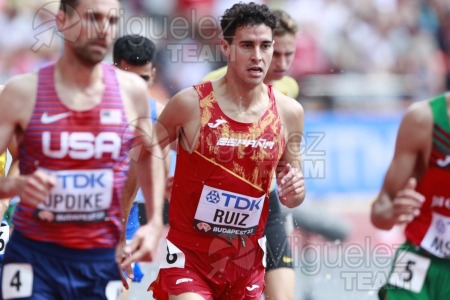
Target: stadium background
point(359, 64)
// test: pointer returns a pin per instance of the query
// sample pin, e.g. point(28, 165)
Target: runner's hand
point(290, 184)
point(169, 185)
point(144, 244)
point(407, 203)
point(35, 188)
point(120, 257)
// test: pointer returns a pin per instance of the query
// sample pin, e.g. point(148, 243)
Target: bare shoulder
point(185, 101)
point(181, 109)
point(24, 86)
point(134, 94)
point(416, 127)
point(291, 110)
point(418, 116)
point(18, 97)
point(131, 83)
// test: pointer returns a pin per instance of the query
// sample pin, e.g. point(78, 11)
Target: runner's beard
point(88, 57)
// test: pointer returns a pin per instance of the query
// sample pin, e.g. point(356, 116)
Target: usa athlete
point(4, 227)
point(71, 120)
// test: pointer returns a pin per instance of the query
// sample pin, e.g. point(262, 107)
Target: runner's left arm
point(146, 157)
point(291, 184)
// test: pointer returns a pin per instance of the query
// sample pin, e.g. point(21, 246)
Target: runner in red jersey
point(416, 192)
point(72, 121)
point(232, 135)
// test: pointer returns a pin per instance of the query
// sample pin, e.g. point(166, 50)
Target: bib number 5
point(409, 271)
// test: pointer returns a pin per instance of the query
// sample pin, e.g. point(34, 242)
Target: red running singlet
point(430, 230)
point(87, 152)
point(222, 187)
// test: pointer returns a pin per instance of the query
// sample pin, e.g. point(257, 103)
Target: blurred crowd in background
point(359, 63)
point(351, 54)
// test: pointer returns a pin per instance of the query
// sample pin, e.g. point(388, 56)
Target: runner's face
point(283, 56)
point(98, 21)
point(146, 72)
point(250, 53)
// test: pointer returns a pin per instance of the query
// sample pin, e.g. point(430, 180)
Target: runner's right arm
point(16, 105)
point(398, 202)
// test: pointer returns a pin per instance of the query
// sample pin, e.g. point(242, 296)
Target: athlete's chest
point(65, 134)
point(225, 141)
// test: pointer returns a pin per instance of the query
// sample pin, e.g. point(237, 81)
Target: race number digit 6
point(175, 258)
point(4, 237)
point(409, 271)
point(17, 281)
point(171, 258)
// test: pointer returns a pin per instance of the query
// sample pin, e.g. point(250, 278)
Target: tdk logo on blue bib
point(213, 197)
point(82, 181)
point(221, 211)
point(239, 202)
point(440, 226)
point(232, 200)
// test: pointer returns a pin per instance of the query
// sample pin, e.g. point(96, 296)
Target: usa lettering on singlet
point(431, 229)
point(227, 176)
point(86, 151)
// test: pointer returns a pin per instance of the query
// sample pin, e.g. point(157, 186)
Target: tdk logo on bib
point(82, 181)
point(225, 212)
point(213, 197)
point(440, 226)
point(244, 203)
point(80, 195)
point(233, 200)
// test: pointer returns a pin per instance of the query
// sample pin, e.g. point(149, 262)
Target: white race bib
point(17, 281)
point(4, 237)
point(79, 196)
point(224, 212)
point(437, 238)
point(409, 271)
point(262, 243)
point(113, 290)
point(173, 258)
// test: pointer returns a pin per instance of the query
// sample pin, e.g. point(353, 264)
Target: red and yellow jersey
point(2, 163)
point(87, 153)
point(286, 85)
point(431, 229)
point(221, 188)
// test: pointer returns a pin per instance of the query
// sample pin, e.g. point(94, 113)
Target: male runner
point(232, 135)
point(75, 122)
point(4, 227)
point(416, 192)
point(280, 275)
point(136, 54)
